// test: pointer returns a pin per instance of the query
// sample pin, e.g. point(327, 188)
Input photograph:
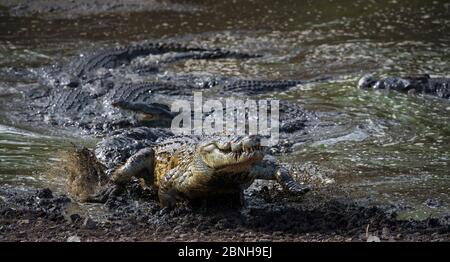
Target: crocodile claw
point(108, 192)
point(297, 189)
point(289, 184)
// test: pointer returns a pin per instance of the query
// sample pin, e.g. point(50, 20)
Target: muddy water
point(395, 148)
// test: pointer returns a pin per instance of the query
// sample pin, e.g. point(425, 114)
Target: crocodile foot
point(108, 192)
point(289, 184)
point(297, 189)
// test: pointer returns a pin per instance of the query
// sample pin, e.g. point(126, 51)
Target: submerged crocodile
point(90, 67)
point(130, 105)
point(423, 84)
point(92, 92)
point(182, 167)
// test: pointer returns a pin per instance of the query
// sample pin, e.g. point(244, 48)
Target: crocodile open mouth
point(243, 156)
point(145, 112)
point(237, 152)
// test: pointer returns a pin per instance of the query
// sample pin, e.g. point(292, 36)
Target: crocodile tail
point(86, 174)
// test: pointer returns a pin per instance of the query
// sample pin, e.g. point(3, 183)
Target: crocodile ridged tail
point(115, 57)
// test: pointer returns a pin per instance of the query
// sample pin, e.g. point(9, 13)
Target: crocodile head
point(151, 114)
point(231, 155)
point(402, 84)
point(367, 81)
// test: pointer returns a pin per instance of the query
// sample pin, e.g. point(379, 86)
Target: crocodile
point(229, 85)
point(181, 167)
point(98, 110)
point(421, 84)
point(91, 92)
point(95, 65)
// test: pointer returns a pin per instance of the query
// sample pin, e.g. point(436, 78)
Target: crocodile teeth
point(224, 146)
point(236, 147)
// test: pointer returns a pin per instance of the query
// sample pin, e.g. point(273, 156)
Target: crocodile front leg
point(268, 170)
point(139, 165)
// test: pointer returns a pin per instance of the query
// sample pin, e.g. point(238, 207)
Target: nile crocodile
point(183, 167)
point(100, 111)
point(423, 84)
point(96, 65)
point(91, 92)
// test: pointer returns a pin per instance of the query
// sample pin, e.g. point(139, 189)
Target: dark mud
point(269, 215)
point(74, 9)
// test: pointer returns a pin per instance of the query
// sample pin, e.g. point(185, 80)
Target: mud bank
point(41, 215)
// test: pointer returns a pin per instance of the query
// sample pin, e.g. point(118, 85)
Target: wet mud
point(269, 215)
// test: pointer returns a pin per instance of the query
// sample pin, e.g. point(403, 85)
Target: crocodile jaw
point(232, 156)
point(367, 81)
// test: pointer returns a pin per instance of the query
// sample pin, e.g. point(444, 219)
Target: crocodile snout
point(367, 81)
point(236, 153)
point(245, 144)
